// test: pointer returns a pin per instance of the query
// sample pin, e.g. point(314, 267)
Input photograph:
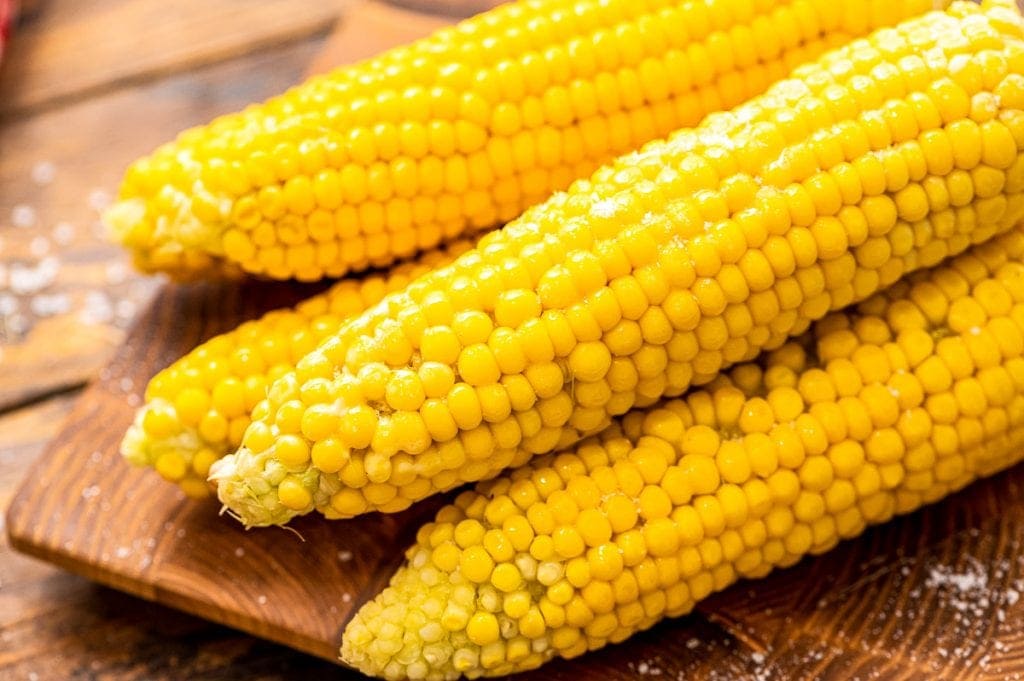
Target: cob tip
point(250, 485)
point(434, 625)
point(170, 244)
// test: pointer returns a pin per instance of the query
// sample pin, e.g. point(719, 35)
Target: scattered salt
point(90, 492)
point(966, 589)
point(239, 552)
point(344, 556)
point(692, 643)
point(346, 597)
point(262, 600)
point(28, 279)
point(49, 304)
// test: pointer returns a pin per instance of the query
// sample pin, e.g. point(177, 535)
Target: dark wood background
point(89, 85)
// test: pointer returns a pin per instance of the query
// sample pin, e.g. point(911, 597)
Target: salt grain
point(90, 492)
point(39, 246)
point(16, 324)
point(346, 597)
point(8, 304)
point(239, 552)
point(96, 308)
point(124, 311)
point(64, 233)
point(23, 216)
point(262, 600)
point(344, 556)
point(99, 199)
point(43, 172)
point(116, 272)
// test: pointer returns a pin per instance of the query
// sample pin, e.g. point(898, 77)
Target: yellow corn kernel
point(456, 132)
point(662, 551)
point(188, 427)
point(608, 252)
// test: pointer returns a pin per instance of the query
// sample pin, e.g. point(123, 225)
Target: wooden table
point(91, 84)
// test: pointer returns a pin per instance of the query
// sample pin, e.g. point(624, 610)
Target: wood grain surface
point(91, 46)
point(934, 595)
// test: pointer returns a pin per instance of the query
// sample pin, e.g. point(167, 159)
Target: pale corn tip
point(198, 408)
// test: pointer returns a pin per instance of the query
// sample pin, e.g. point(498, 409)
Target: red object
point(7, 8)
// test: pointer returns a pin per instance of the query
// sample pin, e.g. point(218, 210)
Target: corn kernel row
point(876, 412)
point(197, 409)
point(678, 260)
point(459, 131)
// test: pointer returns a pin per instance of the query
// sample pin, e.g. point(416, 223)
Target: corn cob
point(876, 412)
point(459, 131)
point(197, 409)
point(681, 259)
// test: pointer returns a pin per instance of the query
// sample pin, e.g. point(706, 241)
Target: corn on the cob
point(688, 256)
point(461, 130)
point(912, 396)
point(197, 409)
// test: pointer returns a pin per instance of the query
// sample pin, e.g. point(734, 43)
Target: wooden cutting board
point(936, 594)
